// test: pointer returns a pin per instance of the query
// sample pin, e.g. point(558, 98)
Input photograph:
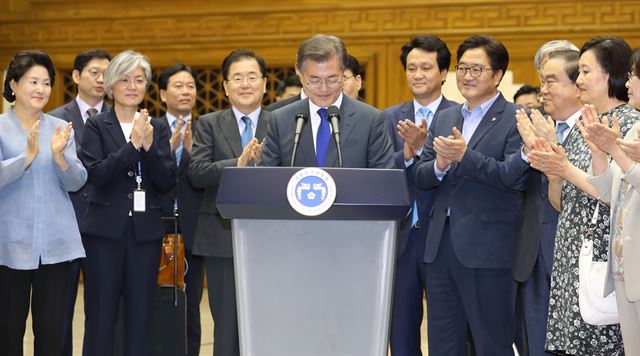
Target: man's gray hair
point(321, 48)
point(549, 47)
point(121, 65)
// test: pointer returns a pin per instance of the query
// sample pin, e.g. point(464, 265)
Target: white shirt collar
point(432, 106)
point(571, 120)
point(313, 108)
point(303, 95)
point(253, 116)
point(83, 106)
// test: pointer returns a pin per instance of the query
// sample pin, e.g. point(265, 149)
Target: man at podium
point(365, 142)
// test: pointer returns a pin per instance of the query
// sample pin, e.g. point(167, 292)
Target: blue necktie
point(426, 113)
point(561, 127)
point(322, 138)
point(174, 124)
point(247, 134)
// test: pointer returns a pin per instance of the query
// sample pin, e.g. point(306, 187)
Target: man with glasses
point(88, 70)
point(226, 138)
point(364, 140)
point(476, 208)
point(352, 78)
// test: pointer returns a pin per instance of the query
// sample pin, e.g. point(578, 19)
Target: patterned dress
point(567, 333)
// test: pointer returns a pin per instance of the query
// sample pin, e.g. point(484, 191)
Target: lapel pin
point(493, 119)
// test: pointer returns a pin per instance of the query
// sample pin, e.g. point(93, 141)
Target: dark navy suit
point(122, 246)
point(532, 262)
point(70, 112)
point(407, 311)
point(473, 226)
point(189, 200)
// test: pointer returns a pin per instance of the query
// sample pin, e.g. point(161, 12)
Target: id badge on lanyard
point(139, 197)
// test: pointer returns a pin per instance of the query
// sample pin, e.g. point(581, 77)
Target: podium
point(313, 286)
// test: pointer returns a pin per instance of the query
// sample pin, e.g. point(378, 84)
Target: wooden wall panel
point(201, 33)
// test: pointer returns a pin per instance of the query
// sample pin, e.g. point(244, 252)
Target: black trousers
point(113, 269)
point(222, 301)
point(47, 285)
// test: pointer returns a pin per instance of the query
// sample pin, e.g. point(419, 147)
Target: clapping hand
point(413, 135)
point(139, 128)
point(176, 136)
point(451, 148)
point(525, 128)
point(597, 133)
point(188, 137)
point(252, 153)
point(33, 147)
point(551, 159)
point(544, 128)
point(59, 141)
point(631, 147)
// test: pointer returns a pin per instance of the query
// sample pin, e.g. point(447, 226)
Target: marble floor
point(207, 329)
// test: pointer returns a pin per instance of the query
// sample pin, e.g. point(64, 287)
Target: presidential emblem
point(311, 191)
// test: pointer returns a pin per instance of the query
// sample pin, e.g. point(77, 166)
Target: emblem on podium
point(311, 191)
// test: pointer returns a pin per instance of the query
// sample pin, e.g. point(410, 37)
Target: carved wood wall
point(201, 33)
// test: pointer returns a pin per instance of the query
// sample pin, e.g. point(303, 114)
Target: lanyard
point(138, 169)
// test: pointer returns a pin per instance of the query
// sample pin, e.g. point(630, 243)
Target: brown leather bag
point(170, 275)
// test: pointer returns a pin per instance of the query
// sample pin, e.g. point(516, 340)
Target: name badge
point(139, 201)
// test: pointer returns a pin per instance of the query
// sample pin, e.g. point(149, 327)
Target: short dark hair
point(321, 48)
point(570, 58)
point(612, 54)
point(495, 50)
point(353, 65)
point(240, 54)
point(83, 58)
point(635, 62)
point(524, 90)
point(428, 43)
point(20, 64)
point(290, 81)
point(163, 78)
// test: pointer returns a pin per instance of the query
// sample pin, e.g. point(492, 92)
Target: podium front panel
point(312, 287)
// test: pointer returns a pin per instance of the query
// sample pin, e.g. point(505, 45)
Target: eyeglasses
point(475, 71)
point(94, 73)
point(331, 82)
point(239, 80)
point(137, 82)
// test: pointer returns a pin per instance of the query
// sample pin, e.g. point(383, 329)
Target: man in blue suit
point(476, 209)
point(426, 61)
point(533, 256)
point(87, 74)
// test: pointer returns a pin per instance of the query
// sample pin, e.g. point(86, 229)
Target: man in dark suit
point(364, 139)
point(178, 86)
point(426, 61)
point(533, 256)
point(88, 69)
point(476, 209)
point(224, 139)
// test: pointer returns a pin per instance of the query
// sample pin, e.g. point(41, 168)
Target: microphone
point(300, 121)
point(333, 113)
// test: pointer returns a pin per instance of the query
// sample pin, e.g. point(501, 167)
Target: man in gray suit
point(364, 139)
point(88, 69)
point(224, 139)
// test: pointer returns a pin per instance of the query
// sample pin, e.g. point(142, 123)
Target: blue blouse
point(37, 221)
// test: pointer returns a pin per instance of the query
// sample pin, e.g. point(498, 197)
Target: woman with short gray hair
point(130, 168)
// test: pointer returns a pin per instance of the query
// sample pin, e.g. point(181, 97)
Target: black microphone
point(333, 113)
point(300, 120)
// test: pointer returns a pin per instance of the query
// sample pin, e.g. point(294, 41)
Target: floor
point(207, 329)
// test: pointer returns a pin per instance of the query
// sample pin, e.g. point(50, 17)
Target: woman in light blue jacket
point(38, 229)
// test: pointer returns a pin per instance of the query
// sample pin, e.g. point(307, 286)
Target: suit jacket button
point(130, 195)
point(130, 173)
point(417, 225)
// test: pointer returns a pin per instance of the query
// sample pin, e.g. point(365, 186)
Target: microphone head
point(301, 116)
point(333, 111)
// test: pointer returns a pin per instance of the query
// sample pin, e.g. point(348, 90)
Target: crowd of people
point(502, 193)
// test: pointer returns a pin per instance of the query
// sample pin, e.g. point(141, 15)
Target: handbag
point(171, 274)
point(595, 308)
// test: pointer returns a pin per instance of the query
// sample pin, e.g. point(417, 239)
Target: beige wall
point(201, 33)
